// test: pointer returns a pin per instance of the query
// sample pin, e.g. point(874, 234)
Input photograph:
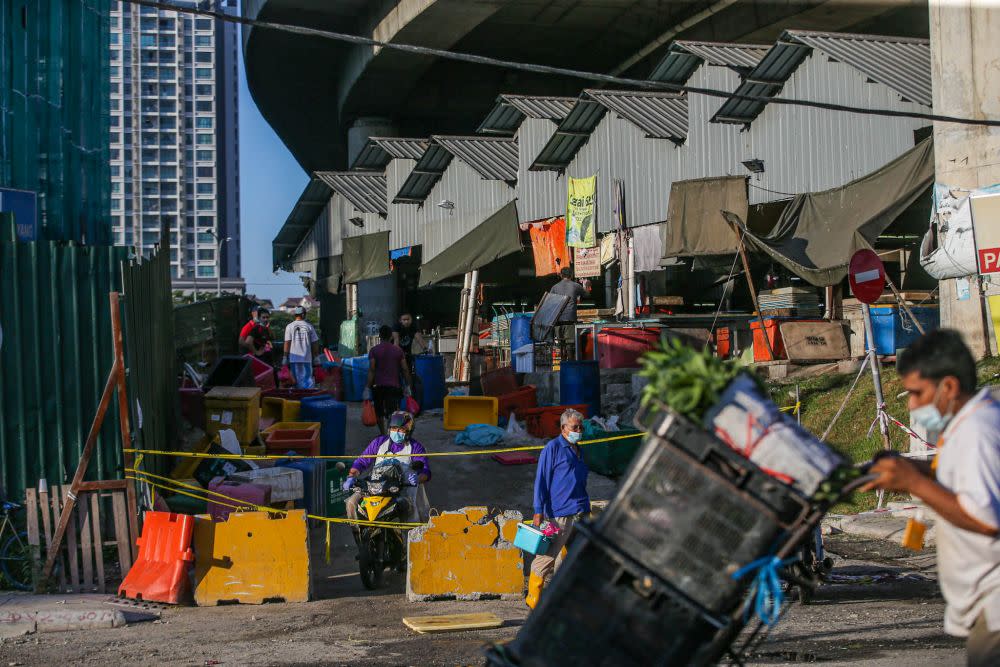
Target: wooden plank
point(73, 577)
point(121, 531)
point(126, 431)
point(95, 512)
point(104, 485)
point(86, 543)
point(452, 622)
point(44, 505)
point(668, 301)
point(34, 539)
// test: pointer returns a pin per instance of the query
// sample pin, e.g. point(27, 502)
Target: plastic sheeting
point(496, 237)
point(948, 249)
point(695, 224)
point(366, 257)
point(818, 232)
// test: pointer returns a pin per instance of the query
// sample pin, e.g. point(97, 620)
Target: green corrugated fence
point(209, 329)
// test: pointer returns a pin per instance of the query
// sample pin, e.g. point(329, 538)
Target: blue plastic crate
point(531, 539)
point(893, 331)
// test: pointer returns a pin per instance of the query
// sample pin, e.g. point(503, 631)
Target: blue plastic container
point(894, 332)
point(530, 539)
point(355, 375)
point(430, 370)
point(332, 417)
point(520, 331)
point(580, 384)
point(313, 484)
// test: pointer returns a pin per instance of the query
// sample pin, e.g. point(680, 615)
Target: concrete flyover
point(312, 91)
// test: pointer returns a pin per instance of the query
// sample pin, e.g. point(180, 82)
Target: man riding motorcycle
point(400, 446)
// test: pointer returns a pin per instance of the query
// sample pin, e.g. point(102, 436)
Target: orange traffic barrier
point(160, 573)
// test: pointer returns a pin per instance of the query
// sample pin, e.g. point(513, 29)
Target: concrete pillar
point(965, 65)
point(362, 130)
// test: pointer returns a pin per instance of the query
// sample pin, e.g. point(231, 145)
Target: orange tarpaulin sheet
point(548, 243)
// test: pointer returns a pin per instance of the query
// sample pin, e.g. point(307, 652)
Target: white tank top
point(403, 455)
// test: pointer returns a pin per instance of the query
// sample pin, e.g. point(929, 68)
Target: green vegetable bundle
point(686, 380)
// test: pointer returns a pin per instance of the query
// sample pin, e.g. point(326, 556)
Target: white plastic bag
point(516, 433)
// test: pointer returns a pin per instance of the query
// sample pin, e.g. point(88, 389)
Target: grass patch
point(821, 398)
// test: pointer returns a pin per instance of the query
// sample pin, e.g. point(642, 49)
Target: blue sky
point(270, 182)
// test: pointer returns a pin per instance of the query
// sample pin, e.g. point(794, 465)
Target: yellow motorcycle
point(382, 547)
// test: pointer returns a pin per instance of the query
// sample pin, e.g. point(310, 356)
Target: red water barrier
point(160, 573)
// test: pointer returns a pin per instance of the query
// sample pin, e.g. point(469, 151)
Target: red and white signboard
point(986, 227)
point(867, 276)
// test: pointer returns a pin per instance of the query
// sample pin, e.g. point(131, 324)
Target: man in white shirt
point(962, 485)
point(301, 349)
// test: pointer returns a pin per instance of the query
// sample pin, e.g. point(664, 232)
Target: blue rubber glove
point(413, 478)
point(349, 483)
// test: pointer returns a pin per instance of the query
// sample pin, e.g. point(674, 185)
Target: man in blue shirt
point(560, 497)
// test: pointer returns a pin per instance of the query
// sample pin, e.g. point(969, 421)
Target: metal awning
point(511, 110)
point(309, 205)
point(684, 57)
point(380, 151)
point(493, 158)
point(365, 191)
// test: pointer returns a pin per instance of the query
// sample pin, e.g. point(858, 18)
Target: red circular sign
point(867, 275)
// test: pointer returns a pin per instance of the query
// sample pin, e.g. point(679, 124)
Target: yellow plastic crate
point(186, 465)
point(280, 409)
point(236, 408)
point(460, 411)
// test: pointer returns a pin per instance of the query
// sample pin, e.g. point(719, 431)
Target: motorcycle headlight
point(375, 487)
point(393, 489)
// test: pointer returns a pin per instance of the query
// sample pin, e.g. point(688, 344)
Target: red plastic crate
point(723, 342)
point(517, 400)
point(302, 441)
point(621, 347)
point(263, 374)
point(544, 422)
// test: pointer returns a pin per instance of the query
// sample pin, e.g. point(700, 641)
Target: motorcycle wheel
point(372, 570)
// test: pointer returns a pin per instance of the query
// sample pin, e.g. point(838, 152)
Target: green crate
point(610, 458)
point(336, 497)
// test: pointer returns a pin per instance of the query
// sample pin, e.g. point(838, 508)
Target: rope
point(766, 598)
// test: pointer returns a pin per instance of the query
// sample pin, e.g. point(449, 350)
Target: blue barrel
point(580, 384)
point(332, 417)
point(520, 331)
point(430, 370)
point(355, 377)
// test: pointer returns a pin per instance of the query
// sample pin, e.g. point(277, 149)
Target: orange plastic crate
point(304, 442)
point(524, 398)
point(544, 422)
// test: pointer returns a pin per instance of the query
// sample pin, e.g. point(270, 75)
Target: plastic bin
point(313, 484)
point(524, 358)
point(602, 609)
point(521, 399)
point(263, 373)
point(723, 343)
point(355, 375)
point(760, 352)
point(331, 415)
point(622, 347)
point(336, 497)
point(460, 411)
point(286, 483)
point(430, 369)
point(580, 382)
point(610, 458)
point(499, 382)
point(279, 409)
point(530, 539)
point(236, 495)
point(893, 330)
point(236, 408)
point(230, 371)
point(693, 511)
point(544, 422)
point(185, 466)
point(303, 442)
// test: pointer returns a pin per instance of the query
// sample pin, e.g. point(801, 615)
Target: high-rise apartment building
point(174, 146)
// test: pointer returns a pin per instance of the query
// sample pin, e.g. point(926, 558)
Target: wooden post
point(753, 291)
point(126, 432)
point(902, 304)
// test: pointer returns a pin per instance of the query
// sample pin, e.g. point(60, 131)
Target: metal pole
point(630, 282)
point(218, 269)
point(457, 367)
point(470, 320)
point(883, 423)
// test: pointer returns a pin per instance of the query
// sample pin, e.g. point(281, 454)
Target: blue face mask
point(930, 418)
point(397, 436)
point(573, 437)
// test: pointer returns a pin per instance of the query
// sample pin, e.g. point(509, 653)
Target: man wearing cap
point(301, 349)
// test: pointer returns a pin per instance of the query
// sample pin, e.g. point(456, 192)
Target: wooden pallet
point(80, 565)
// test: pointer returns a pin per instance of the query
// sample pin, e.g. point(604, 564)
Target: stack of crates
point(236, 408)
point(655, 569)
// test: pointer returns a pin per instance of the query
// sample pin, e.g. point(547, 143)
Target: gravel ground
point(881, 608)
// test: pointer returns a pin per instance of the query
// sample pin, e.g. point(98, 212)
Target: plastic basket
point(530, 539)
point(602, 609)
point(695, 522)
point(460, 411)
point(544, 422)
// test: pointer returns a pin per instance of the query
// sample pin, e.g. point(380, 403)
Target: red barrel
point(622, 347)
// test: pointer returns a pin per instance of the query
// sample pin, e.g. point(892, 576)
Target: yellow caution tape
point(149, 478)
point(345, 457)
point(794, 409)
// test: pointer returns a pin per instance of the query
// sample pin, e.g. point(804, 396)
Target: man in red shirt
point(255, 336)
point(386, 363)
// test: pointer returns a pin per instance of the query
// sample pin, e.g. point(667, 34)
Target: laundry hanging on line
point(548, 245)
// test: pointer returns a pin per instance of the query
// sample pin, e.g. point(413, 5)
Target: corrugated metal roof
point(365, 191)
point(511, 110)
point(379, 151)
point(764, 80)
point(424, 175)
point(493, 158)
point(684, 57)
point(659, 115)
point(307, 208)
point(901, 63)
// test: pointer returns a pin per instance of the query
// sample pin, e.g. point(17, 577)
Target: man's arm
point(541, 487)
point(417, 450)
point(899, 474)
point(395, 338)
point(406, 372)
point(362, 463)
point(370, 382)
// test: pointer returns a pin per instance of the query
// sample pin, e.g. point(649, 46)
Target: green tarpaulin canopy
point(695, 226)
point(325, 275)
point(818, 232)
point(496, 237)
point(366, 257)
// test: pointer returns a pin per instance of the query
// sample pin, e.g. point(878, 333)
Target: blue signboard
point(24, 205)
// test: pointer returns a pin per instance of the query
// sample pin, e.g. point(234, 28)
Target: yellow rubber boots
point(535, 584)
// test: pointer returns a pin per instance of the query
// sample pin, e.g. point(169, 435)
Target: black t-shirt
point(406, 335)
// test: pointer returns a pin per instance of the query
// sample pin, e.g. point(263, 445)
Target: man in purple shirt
point(386, 362)
point(404, 449)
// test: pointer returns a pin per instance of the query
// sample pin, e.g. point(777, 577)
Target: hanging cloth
point(548, 244)
point(608, 253)
point(646, 246)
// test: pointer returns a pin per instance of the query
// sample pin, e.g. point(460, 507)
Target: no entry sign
point(867, 276)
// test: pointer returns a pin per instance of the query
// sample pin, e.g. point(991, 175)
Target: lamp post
point(218, 260)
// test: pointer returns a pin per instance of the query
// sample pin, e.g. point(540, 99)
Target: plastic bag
point(368, 417)
point(412, 406)
point(285, 375)
point(516, 433)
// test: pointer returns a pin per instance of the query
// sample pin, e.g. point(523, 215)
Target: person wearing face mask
point(400, 446)
point(560, 497)
point(962, 484)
